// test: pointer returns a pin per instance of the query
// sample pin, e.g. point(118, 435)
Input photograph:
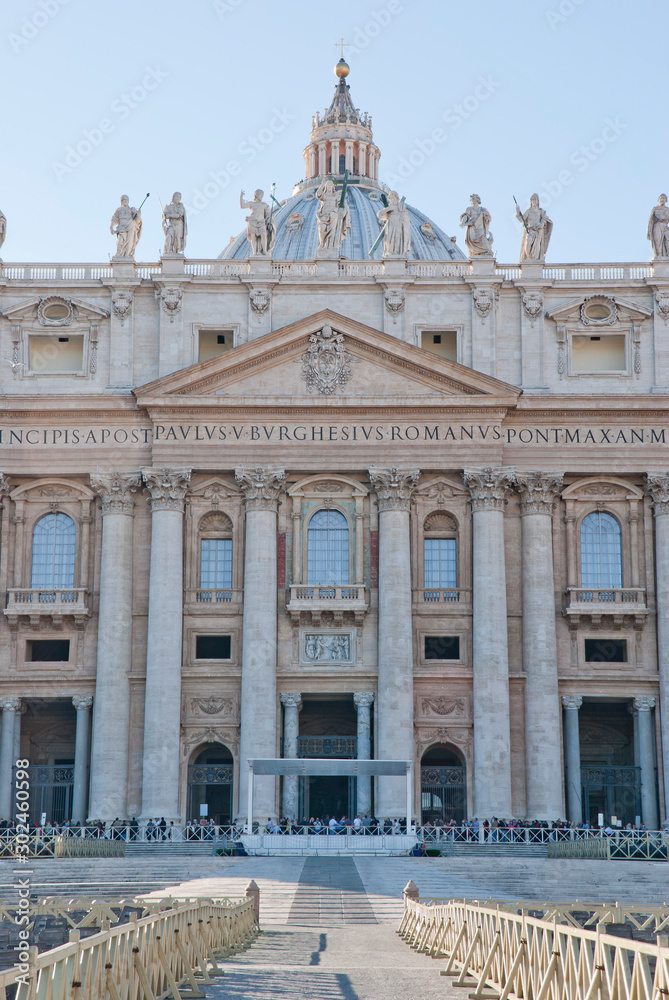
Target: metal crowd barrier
point(489, 948)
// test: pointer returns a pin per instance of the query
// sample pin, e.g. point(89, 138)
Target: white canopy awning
point(328, 766)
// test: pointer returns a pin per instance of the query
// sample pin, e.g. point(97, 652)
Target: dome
point(342, 147)
point(297, 230)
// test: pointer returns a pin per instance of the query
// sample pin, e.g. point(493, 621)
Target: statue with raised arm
point(397, 235)
point(174, 225)
point(478, 237)
point(658, 228)
point(258, 223)
point(331, 234)
point(3, 228)
point(537, 229)
point(126, 226)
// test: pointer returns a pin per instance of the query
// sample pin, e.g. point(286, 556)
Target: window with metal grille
point(54, 550)
point(440, 563)
point(601, 551)
point(327, 548)
point(216, 563)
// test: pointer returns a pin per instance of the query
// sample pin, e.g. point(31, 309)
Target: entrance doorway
point(443, 785)
point(611, 783)
point(210, 784)
point(328, 729)
point(325, 796)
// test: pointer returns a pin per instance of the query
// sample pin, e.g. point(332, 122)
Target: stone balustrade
point(319, 598)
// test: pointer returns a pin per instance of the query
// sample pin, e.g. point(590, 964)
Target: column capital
point(572, 702)
point(643, 704)
point(167, 487)
point(4, 485)
point(488, 487)
point(291, 699)
point(82, 701)
point(394, 487)
point(657, 487)
point(363, 698)
point(538, 491)
point(116, 490)
point(261, 487)
point(10, 704)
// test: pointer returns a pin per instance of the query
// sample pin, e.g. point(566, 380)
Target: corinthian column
point(394, 489)
point(292, 703)
point(538, 491)
point(82, 704)
point(643, 708)
point(9, 706)
point(261, 489)
point(572, 755)
point(492, 741)
point(658, 487)
point(111, 713)
point(363, 701)
point(162, 700)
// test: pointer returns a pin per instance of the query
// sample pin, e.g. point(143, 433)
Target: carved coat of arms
point(326, 364)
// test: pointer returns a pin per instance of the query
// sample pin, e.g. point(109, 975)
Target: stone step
point(496, 851)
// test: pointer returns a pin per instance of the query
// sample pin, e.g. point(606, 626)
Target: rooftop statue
point(126, 226)
point(478, 237)
point(3, 227)
point(537, 229)
point(395, 217)
point(174, 225)
point(658, 233)
point(333, 222)
point(258, 223)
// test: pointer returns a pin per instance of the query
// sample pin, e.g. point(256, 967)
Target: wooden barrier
point(500, 954)
point(87, 847)
point(148, 958)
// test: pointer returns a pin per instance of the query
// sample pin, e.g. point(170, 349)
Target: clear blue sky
point(528, 95)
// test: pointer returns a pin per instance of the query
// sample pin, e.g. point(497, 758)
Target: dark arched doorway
point(443, 785)
point(210, 784)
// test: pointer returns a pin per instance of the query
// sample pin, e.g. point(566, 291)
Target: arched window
point(440, 552)
point(327, 548)
point(216, 552)
point(54, 548)
point(601, 551)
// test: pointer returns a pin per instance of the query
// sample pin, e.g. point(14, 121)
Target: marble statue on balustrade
point(397, 235)
point(258, 223)
point(658, 228)
point(476, 220)
point(126, 226)
point(333, 222)
point(175, 226)
point(537, 229)
point(3, 228)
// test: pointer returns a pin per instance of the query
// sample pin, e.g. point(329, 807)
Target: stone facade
point(160, 406)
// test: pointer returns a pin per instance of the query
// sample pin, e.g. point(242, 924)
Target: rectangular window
point(216, 563)
point(598, 354)
point(444, 343)
point(47, 650)
point(55, 354)
point(442, 647)
point(440, 563)
point(606, 650)
point(211, 343)
point(212, 647)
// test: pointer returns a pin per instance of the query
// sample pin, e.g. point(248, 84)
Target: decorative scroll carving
point(394, 487)
point(662, 304)
point(326, 364)
point(210, 735)
point(394, 299)
point(533, 303)
point(82, 702)
point(261, 487)
point(259, 299)
point(657, 486)
point(167, 487)
point(291, 698)
point(607, 308)
point(116, 490)
point(538, 491)
point(121, 304)
point(363, 699)
point(170, 299)
point(461, 738)
point(10, 704)
point(483, 301)
point(488, 487)
point(328, 487)
point(444, 706)
point(323, 647)
point(602, 490)
point(213, 706)
point(55, 311)
point(571, 701)
point(643, 704)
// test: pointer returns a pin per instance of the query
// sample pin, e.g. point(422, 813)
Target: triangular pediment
point(327, 357)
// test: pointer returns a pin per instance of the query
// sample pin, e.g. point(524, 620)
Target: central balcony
point(38, 604)
point(613, 603)
point(336, 598)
